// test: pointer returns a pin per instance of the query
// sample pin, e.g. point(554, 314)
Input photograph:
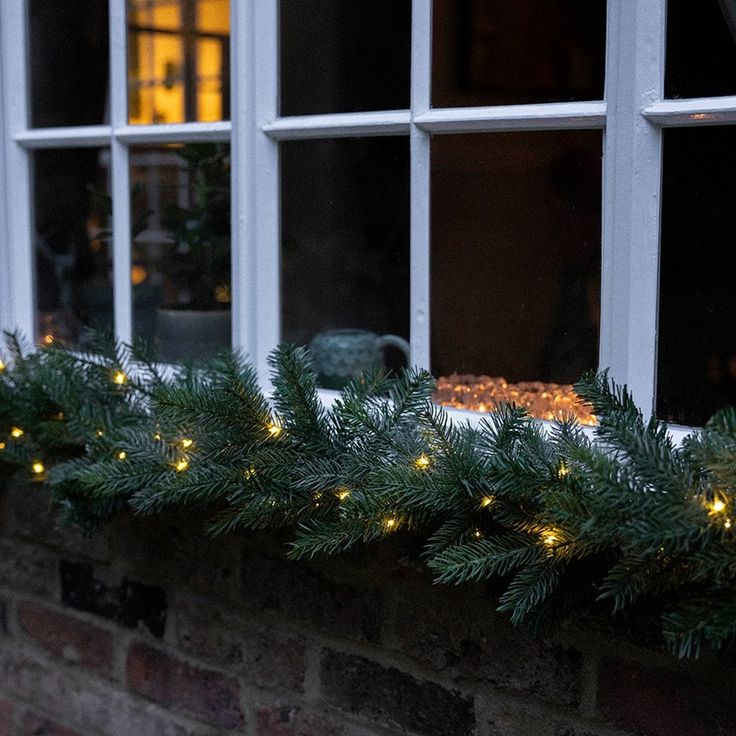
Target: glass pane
point(72, 209)
point(503, 52)
point(701, 48)
point(339, 56)
point(181, 248)
point(68, 62)
point(515, 266)
point(178, 60)
point(697, 309)
point(345, 251)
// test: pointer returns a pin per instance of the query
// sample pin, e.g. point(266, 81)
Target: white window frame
point(632, 117)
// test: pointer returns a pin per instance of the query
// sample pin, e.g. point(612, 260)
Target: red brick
point(223, 637)
point(368, 689)
point(207, 695)
point(34, 725)
point(286, 721)
point(28, 569)
point(662, 702)
point(463, 636)
point(95, 705)
point(63, 636)
point(6, 717)
point(294, 590)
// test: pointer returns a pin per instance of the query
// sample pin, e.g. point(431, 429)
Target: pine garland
point(562, 520)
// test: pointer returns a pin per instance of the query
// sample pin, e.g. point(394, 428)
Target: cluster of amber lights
point(561, 399)
point(483, 393)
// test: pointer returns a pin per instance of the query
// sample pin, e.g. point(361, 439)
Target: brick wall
point(150, 629)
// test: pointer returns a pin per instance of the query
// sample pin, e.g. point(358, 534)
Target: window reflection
point(68, 44)
point(504, 52)
point(515, 267)
point(181, 248)
point(338, 56)
point(697, 310)
point(701, 48)
point(345, 251)
point(178, 60)
point(72, 209)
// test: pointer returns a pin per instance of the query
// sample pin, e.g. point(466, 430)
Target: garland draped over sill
point(560, 519)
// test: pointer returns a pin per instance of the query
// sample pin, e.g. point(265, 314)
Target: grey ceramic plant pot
point(187, 334)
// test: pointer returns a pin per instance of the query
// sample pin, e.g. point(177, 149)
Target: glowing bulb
point(2, 445)
point(182, 465)
point(38, 467)
point(2, 366)
point(717, 506)
point(187, 443)
point(275, 429)
point(477, 533)
point(727, 523)
point(389, 523)
point(59, 416)
point(562, 470)
point(342, 493)
point(487, 501)
point(48, 339)
point(121, 455)
point(422, 462)
point(550, 538)
point(157, 437)
point(99, 433)
point(16, 432)
point(119, 377)
point(248, 473)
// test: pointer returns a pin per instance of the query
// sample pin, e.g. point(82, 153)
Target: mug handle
point(395, 341)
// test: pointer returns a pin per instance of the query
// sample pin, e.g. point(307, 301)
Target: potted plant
point(195, 320)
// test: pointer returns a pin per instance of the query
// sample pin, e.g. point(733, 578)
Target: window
point(517, 189)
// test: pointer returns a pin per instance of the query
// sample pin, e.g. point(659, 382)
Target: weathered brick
point(305, 595)
point(6, 717)
point(224, 637)
point(27, 569)
point(76, 641)
point(30, 515)
point(128, 602)
point(161, 548)
point(204, 694)
point(658, 701)
point(459, 633)
point(360, 686)
point(529, 717)
point(88, 703)
point(289, 721)
point(34, 725)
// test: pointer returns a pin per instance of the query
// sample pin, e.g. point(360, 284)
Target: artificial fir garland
point(561, 519)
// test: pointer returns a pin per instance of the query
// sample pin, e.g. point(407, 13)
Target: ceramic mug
point(340, 355)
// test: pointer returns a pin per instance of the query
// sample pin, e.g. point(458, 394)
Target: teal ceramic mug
point(340, 355)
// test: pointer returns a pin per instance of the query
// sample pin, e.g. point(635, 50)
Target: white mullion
point(174, 132)
point(120, 183)
point(255, 222)
point(90, 136)
point(339, 125)
point(419, 142)
point(700, 111)
point(16, 251)
point(265, 241)
point(545, 116)
point(241, 155)
point(631, 199)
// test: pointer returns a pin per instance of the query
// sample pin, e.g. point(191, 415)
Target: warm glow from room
point(176, 60)
point(542, 400)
